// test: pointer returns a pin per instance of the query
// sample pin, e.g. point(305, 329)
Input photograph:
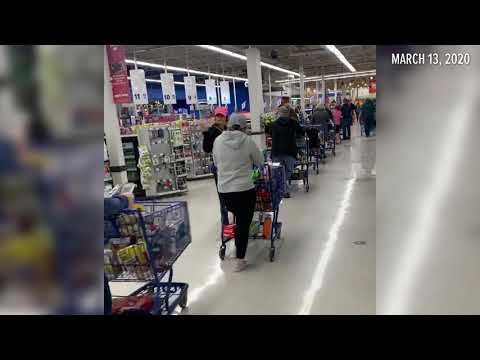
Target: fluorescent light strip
point(179, 69)
point(333, 49)
point(331, 76)
point(243, 57)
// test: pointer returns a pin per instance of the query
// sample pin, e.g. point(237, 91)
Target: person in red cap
point(209, 136)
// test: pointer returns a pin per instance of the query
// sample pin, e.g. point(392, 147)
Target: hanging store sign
point(211, 91)
point(190, 90)
point(225, 92)
point(139, 87)
point(118, 74)
point(168, 88)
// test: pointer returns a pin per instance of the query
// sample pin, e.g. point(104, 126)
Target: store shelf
point(197, 177)
point(129, 156)
point(128, 135)
point(107, 179)
point(168, 193)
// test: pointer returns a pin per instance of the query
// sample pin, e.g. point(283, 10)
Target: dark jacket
point(209, 137)
point(111, 208)
point(321, 117)
point(347, 114)
point(284, 134)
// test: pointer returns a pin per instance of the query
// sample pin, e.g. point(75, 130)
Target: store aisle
point(318, 269)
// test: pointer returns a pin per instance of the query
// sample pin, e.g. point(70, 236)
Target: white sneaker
point(239, 265)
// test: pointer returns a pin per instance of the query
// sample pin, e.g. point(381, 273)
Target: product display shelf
point(163, 163)
point(201, 163)
point(107, 176)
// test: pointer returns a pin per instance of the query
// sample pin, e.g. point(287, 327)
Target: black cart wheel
point(271, 254)
point(221, 253)
point(183, 302)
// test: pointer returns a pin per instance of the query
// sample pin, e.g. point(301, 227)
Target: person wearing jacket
point(347, 119)
point(337, 117)
point(234, 154)
point(367, 116)
point(284, 144)
point(209, 136)
point(285, 101)
point(111, 208)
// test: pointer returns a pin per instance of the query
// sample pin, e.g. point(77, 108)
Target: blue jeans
point(288, 162)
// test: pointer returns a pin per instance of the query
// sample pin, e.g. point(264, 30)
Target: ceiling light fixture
point(332, 76)
point(243, 57)
point(333, 49)
point(179, 69)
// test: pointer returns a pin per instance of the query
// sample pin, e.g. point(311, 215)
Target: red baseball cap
point(221, 110)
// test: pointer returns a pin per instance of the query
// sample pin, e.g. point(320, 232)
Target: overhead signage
point(139, 87)
point(168, 88)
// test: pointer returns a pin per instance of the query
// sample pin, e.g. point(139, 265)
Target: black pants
point(242, 205)
point(107, 297)
point(346, 130)
point(223, 214)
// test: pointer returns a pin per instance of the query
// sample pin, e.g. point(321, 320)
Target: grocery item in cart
point(125, 304)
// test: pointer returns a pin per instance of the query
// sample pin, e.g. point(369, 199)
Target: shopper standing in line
point(285, 102)
point(368, 116)
point(347, 116)
point(337, 116)
point(209, 136)
point(111, 208)
point(234, 154)
point(284, 144)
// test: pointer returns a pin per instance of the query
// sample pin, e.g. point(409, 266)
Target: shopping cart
point(148, 242)
point(316, 151)
point(302, 163)
point(269, 192)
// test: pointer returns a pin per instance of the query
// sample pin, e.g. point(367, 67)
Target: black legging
point(242, 205)
point(223, 214)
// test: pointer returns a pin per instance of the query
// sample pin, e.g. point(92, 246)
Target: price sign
point(168, 88)
point(139, 87)
point(190, 90)
point(225, 92)
point(211, 91)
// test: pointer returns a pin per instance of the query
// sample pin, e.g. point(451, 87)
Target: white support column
point(335, 89)
point(302, 88)
point(255, 94)
point(270, 89)
point(317, 89)
point(234, 96)
point(111, 127)
point(324, 90)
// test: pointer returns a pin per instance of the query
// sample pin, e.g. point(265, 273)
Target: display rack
point(107, 175)
point(162, 160)
point(131, 155)
point(200, 163)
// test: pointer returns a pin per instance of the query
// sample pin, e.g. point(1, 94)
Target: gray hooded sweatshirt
point(234, 154)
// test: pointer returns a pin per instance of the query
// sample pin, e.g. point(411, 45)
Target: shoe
point(286, 195)
point(240, 265)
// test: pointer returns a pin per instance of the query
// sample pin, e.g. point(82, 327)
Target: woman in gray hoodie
point(234, 154)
